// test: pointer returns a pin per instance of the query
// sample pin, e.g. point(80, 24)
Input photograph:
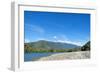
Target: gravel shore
point(70, 55)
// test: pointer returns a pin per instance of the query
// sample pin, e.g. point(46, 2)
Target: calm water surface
point(34, 56)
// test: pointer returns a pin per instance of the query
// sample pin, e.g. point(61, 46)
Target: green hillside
point(49, 46)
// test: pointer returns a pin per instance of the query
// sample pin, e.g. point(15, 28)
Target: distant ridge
point(51, 45)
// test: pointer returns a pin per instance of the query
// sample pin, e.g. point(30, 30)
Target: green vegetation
point(50, 45)
point(31, 48)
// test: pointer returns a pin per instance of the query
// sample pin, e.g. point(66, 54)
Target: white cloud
point(38, 29)
point(34, 28)
point(64, 39)
point(55, 37)
point(71, 42)
point(27, 41)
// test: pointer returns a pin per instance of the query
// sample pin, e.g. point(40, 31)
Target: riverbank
point(70, 55)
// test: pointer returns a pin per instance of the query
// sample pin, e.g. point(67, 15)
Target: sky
point(71, 28)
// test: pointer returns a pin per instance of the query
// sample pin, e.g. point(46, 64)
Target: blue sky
point(58, 27)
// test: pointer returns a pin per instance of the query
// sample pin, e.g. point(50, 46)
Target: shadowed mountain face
point(51, 45)
point(86, 47)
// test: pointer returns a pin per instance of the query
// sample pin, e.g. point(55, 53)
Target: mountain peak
point(42, 41)
point(51, 45)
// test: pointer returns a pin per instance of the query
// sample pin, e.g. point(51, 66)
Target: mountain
point(86, 47)
point(50, 45)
